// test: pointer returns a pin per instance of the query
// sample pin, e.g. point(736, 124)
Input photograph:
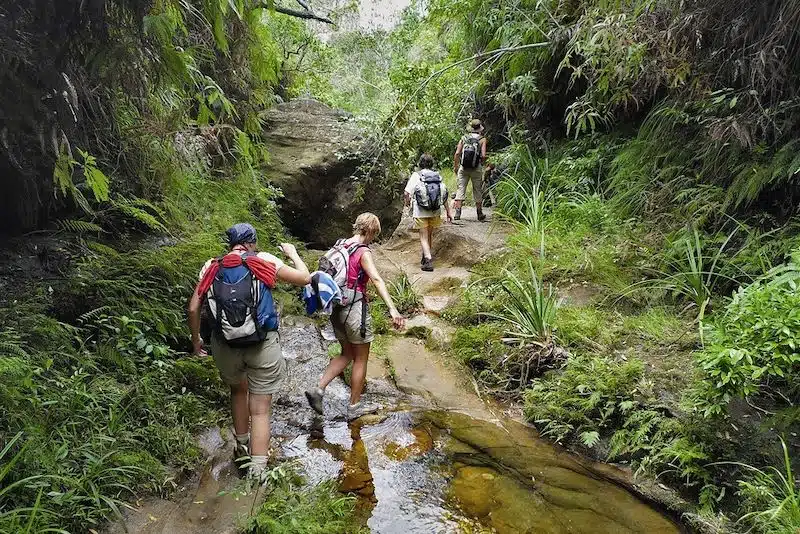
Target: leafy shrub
point(591, 394)
point(690, 272)
point(752, 343)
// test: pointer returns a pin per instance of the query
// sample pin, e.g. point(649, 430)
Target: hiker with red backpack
point(428, 194)
point(236, 291)
point(351, 265)
point(468, 164)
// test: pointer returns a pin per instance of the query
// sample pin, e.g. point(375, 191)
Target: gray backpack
point(428, 193)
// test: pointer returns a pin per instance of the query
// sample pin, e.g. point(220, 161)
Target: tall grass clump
point(692, 273)
point(291, 507)
point(405, 295)
point(772, 497)
point(527, 314)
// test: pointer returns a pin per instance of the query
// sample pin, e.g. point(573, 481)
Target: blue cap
point(241, 233)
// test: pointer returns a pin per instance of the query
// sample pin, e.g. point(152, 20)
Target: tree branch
point(304, 14)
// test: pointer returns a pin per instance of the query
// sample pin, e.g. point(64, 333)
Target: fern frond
point(79, 227)
point(136, 211)
point(9, 348)
point(93, 314)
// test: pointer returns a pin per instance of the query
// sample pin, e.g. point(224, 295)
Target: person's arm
point(368, 264)
point(194, 322)
point(297, 276)
point(457, 156)
point(447, 208)
point(483, 150)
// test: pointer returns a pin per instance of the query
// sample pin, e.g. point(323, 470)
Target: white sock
point(258, 462)
point(242, 439)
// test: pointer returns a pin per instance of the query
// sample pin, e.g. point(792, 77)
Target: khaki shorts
point(262, 364)
point(346, 322)
point(428, 222)
point(470, 175)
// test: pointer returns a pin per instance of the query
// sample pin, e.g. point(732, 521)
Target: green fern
point(93, 314)
point(79, 227)
point(753, 179)
point(590, 438)
point(13, 348)
point(137, 211)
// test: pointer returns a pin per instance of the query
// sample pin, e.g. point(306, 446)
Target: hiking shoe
point(427, 265)
point(481, 216)
point(314, 398)
point(354, 411)
point(457, 216)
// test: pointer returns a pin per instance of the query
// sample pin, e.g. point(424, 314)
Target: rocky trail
point(438, 458)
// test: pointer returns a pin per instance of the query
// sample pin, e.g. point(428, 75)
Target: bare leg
point(424, 240)
point(239, 409)
point(337, 365)
point(260, 406)
point(359, 376)
point(430, 241)
point(457, 204)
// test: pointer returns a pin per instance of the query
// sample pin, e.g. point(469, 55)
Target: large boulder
point(328, 172)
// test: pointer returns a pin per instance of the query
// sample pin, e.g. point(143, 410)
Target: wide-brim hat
point(475, 125)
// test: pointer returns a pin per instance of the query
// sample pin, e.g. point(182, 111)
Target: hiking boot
point(481, 216)
point(314, 398)
point(427, 265)
point(354, 411)
point(457, 216)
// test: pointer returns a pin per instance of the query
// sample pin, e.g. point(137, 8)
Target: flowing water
point(415, 468)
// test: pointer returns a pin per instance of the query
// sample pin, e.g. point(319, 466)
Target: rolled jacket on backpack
point(322, 294)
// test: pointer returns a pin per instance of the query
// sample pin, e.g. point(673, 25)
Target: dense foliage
point(121, 119)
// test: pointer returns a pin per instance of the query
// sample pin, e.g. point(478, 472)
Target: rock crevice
point(322, 162)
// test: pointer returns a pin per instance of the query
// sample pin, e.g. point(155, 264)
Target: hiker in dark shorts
point(351, 323)
point(247, 354)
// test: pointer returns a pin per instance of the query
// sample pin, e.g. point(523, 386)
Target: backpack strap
point(363, 329)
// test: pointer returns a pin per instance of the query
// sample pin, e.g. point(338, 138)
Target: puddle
point(414, 468)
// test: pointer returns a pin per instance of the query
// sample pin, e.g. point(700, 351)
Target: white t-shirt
point(266, 256)
point(420, 213)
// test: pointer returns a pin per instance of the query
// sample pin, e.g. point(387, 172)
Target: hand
point(449, 219)
point(289, 250)
point(398, 321)
point(197, 347)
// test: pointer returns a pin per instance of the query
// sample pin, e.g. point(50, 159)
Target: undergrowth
point(292, 507)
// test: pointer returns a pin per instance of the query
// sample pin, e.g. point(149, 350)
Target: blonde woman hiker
point(236, 290)
point(426, 192)
point(351, 264)
point(468, 164)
